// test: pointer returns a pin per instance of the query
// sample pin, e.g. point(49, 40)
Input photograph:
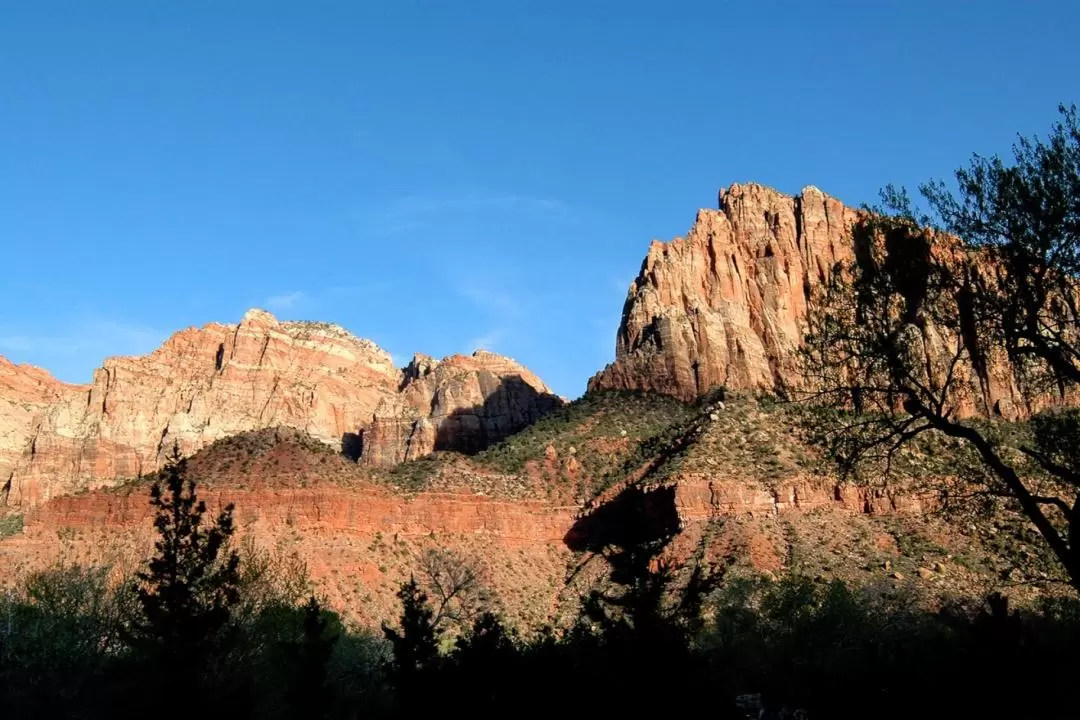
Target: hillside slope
point(752, 492)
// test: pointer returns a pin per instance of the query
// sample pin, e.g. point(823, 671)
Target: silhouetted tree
point(905, 334)
point(57, 641)
point(416, 647)
point(485, 673)
point(187, 591)
point(309, 694)
point(643, 616)
point(631, 532)
point(455, 587)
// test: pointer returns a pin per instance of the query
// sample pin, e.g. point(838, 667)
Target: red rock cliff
point(26, 393)
point(727, 305)
point(206, 383)
point(461, 403)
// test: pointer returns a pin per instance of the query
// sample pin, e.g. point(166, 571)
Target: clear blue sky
point(441, 175)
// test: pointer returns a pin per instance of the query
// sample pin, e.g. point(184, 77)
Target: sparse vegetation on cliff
point(11, 525)
point(599, 427)
point(801, 641)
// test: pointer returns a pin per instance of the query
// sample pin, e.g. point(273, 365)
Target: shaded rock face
point(206, 383)
point(462, 403)
point(727, 305)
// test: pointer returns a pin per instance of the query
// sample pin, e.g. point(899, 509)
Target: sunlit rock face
point(207, 383)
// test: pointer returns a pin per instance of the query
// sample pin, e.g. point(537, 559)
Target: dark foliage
point(310, 694)
point(416, 648)
point(905, 335)
point(189, 587)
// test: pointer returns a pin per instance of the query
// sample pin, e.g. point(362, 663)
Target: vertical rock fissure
point(797, 207)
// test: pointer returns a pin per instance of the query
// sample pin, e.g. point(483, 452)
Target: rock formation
point(727, 305)
point(26, 393)
point(206, 383)
point(462, 403)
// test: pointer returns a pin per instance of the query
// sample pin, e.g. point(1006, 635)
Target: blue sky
point(438, 176)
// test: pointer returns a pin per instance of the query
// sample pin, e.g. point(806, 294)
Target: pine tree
point(486, 675)
point(416, 645)
point(309, 695)
point(186, 592)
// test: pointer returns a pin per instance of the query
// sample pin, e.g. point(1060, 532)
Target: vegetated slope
point(753, 493)
point(756, 493)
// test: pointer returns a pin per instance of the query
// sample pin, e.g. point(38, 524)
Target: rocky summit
point(727, 305)
point(204, 384)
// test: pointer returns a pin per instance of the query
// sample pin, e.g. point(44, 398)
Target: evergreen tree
point(186, 592)
point(487, 673)
point(309, 694)
point(416, 647)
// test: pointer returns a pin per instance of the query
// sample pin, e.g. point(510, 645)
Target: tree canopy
point(912, 333)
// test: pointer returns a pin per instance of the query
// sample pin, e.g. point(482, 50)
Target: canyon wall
point(462, 403)
point(727, 305)
point(207, 383)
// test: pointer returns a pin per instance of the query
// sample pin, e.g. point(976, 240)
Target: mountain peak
point(204, 384)
point(727, 305)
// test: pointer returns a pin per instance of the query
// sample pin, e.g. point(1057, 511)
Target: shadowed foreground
point(75, 642)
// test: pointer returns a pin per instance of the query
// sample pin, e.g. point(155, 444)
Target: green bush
point(10, 525)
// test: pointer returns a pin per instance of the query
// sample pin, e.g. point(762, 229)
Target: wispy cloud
point(285, 301)
point(327, 296)
point(129, 338)
point(492, 299)
point(16, 343)
point(425, 205)
point(487, 341)
point(502, 308)
point(417, 212)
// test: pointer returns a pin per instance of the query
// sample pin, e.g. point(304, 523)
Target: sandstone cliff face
point(745, 491)
point(207, 383)
point(463, 403)
point(26, 392)
point(727, 305)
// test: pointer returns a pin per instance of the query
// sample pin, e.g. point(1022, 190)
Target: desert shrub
point(10, 525)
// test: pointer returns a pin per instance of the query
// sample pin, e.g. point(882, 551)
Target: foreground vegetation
point(800, 644)
point(212, 631)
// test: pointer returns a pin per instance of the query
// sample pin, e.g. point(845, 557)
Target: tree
point(635, 632)
point(632, 533)
point(484, 671)
point(455, 586)
point(416, 644)
point(187, 591)
point(309, 695)
point(57, 642)
point(906, 334)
